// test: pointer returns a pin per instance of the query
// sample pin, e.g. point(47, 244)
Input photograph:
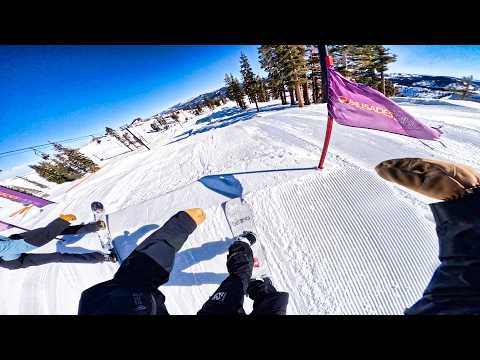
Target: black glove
point(240, 260)
point(259, 288)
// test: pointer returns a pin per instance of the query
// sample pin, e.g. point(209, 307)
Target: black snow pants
point(69, 230)
point(41, 236)
point(27, 260)
point(455, 286)
point(134, 288)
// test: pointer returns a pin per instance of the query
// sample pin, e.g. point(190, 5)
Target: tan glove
point(437, 179)
point(68, 217)
point(197, 214)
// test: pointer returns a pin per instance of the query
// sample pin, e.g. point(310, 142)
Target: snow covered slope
point(341, 241)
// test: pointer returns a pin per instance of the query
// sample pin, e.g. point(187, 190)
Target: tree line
point(295, 69)
point(67, 165)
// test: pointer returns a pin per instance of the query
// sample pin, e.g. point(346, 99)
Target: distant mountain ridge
point(410, 85)
point(431, 86)
point(198, 100)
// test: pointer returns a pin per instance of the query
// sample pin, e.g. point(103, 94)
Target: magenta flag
point(358, 105)
point(23, 198)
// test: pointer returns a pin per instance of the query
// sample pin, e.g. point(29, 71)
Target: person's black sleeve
point(228, 298)
point(455, 285)
point(266, 299)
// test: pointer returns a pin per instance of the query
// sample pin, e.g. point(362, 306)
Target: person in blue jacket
point(455, 285)
point(15, 249)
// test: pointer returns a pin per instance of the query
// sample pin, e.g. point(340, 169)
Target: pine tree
point(55, 171)
point(345, 59)
point(262, 92)
point(250, 85)
point(111, 132)
point(364, 64)
point(466, 86)
point(74, 159)
point(314, 73)
point(268, 58)
point(381, 58)
point(293, 67)
point(235, 91)
point(130, 141)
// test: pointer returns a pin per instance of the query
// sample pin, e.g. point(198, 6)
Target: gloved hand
point(437, 179)
point(258, 288)
point(240, 261)
point(68, 217)
point(197, 214)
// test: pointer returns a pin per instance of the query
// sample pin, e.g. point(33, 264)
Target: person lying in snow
point(134, 288)
point(455, 285)
point(14, 249)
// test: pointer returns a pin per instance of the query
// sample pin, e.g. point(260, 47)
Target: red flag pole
point(326, 142)
point(325, 60)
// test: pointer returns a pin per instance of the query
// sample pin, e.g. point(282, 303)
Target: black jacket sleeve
point(271, 304)
point(455, 285)
point(227, 299)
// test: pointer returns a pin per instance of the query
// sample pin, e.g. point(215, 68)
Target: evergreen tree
point(269, 61)
point(111, 132)
point(345, 59)
point(314, 73)
point(235, 91)
point(466, 86)
point(293, 68)
point(55, 171)
point(74, 159)
point(261, 85)
point(250, 85)
point(130, 141)
point(364, 64)
point(381, 58)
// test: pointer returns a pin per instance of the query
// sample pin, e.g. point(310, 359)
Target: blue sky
point(50, 93)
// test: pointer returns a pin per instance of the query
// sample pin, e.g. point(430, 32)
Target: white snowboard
point(240, 218)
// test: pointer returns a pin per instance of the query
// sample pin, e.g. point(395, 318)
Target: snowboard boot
point(111, 257)
point(248, 236)
point(100, 225)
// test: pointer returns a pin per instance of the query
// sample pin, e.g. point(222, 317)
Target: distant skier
point(14, 250)
point(455, 285)
point(134, 288)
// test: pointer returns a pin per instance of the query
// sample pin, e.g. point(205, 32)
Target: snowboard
point(104, 235)
point(239, 215)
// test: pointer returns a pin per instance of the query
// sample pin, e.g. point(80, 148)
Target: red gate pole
point(326, 142)
point(325, 61)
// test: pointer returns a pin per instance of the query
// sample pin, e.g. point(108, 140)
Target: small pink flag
point(358, 105)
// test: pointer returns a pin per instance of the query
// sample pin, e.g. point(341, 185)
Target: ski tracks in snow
point(346, 245)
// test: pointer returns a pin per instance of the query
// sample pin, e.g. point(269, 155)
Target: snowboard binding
point(249, 236)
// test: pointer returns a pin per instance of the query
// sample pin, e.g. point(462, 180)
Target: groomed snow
point(340, 241)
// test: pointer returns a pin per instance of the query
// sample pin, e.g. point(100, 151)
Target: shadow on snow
point(190, 257)
point(225, 118)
